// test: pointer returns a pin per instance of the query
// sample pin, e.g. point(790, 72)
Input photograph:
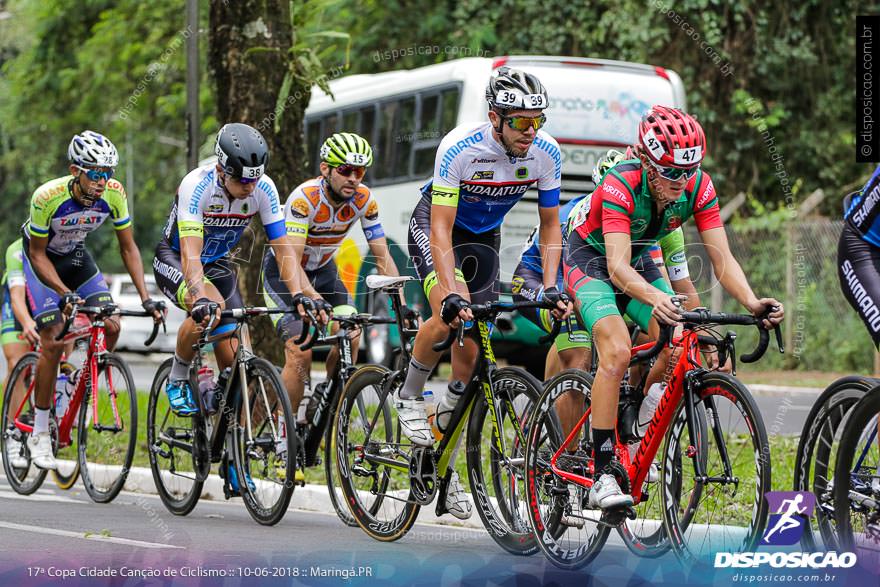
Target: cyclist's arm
point(131, 258)
point(382, 252)
point(193, 270)
point(550, 242)
point(43, 266)
point(442, 220)
point(18, 302)
point(288, 255)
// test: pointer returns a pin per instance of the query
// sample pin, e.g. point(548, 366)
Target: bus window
point(450, 110)
point(313, 145)
point(350, 121)
point(331, 124)
point(368, 123)
point(429, 123)
point(404, 135)
point(384, 147)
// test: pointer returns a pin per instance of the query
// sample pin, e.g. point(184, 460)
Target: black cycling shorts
point(168, 271)
point(324, 279)
point(858, 267)
point(476, 256)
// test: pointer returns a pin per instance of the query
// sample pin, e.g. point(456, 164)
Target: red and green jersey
point(622, 203)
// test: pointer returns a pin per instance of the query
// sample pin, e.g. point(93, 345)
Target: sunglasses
point(95, 175)
point(674, 173)
point(523, 123)
point(346, 170)
point(246, 180)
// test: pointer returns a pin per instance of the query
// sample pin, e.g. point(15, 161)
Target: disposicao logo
point(792, 510)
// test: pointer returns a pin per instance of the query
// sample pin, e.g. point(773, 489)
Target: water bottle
point(628, 414)
point(447, 405)
point(302, 410)
point(62, 399)
point(431, 410)
point(206, 388)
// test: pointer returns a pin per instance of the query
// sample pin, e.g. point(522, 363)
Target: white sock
point(41, 421)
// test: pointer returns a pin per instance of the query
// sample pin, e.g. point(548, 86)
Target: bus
point(595, 105)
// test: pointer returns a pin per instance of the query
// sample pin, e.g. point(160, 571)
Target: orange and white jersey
point(309, 213)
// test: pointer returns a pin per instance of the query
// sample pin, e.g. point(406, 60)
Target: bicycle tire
point(23, 481)
point(505, 519)
point(179, 499)
point(103, 482)
point(550, 496)
point(392, 527)
point(278, 470)
point(851, 484)
point(331, 474)
point(690, 538)
point(815, 451)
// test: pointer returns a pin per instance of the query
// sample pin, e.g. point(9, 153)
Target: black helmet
point(512, 89)
point(241, 151)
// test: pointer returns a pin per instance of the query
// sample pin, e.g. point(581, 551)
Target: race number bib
point(688, 156)
point(252, 172)
point(358, 159)
point(654, 145)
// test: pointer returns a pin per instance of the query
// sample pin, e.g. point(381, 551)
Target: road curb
point(765, 389)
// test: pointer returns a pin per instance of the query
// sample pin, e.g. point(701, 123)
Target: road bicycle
point(251, 434)
point(707, 418)
point(386, 479)
point(103, 406)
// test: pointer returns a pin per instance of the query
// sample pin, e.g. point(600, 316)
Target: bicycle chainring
point(422, 476)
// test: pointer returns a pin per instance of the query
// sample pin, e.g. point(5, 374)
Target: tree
point(249, 58)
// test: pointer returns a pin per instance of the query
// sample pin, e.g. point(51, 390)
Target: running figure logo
point(792, 509)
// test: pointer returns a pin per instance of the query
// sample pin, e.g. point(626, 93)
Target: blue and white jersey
point(202, 208)
point(863, 212)
point(473, 173)
point(531, 255)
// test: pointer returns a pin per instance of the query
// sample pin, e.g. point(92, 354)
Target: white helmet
point(91, 149)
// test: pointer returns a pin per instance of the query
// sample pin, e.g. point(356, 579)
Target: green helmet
point(606, 162)
point(346, 148)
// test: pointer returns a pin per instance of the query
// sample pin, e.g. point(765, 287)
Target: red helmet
point(672, 138)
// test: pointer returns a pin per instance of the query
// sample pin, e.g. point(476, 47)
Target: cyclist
point(60, 271)
point(637, 203)
point(480, 172)
point(319, 214)
point(858, 254)
point(213, 206)
point(19, 332)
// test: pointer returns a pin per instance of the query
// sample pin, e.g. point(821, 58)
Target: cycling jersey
point(473, 173)
point(531, 255)
point(202, 208)
point(65, 222)
point(863, 213)
point(311, 214)
point(622, 203)
point(13, 273)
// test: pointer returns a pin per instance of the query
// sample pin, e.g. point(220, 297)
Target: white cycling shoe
point(607, 494)
point(13, 453)
point(40, 447)
point(414, 420)
point(457, 502)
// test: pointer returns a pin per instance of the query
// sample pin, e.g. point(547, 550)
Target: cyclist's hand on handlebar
point(324, 310)
point(454, 308)
point(67, 300)
point(303, 304)
point(203, 309)
point(561, 299)
point(667, 309)
point(760, 306)
point(156, 308)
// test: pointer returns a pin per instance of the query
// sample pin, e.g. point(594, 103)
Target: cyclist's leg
point(297, 363)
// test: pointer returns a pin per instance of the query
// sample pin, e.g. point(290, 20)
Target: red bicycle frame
point(637, 469)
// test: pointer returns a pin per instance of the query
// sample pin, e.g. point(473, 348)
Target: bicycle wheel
point(107, 429)
point(169, 446)
point(372, 457)
point(568, 533)
point(817, 455)
point(265, 443)
point(645, 536)
point(67, 473)
point(23, 480)
point(856, 489)
point(726, 513)
point(497, 480)
point(331, 471)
